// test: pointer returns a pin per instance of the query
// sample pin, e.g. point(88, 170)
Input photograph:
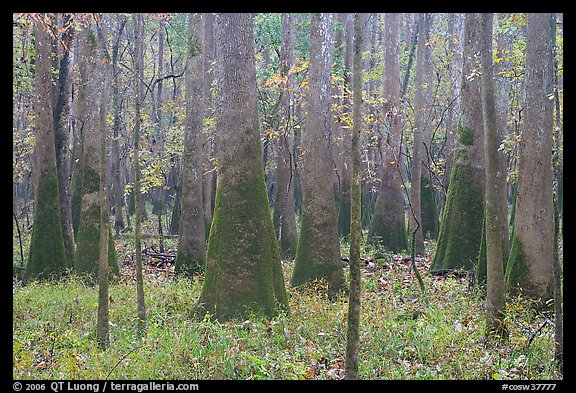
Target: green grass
point(54, 331)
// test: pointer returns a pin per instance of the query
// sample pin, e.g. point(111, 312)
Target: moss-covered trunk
point(318, 253)
point(243, 268)
point(88, 238)
point(529, 266)
point(47, 257)
point(461, 226)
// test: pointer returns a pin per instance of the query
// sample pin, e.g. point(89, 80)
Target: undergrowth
point(54, 329)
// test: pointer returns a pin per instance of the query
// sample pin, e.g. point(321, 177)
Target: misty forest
point(287, 196)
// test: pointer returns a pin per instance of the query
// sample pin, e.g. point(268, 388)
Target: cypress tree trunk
point(495, 193)
point(93, 86)
point(387, 227)
point(353, 332)
point(191, 255)
point(47, 256)
point(243, 269)
point(318, 253)
point(461, 226)
point(529, 266)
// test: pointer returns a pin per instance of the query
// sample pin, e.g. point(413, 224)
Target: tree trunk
point(116, 125)
point(284, 211)
point(420, 120)
point(529, 266)
point(138, 21)
point(344, 134)
point(461, 225)
point(191, 255)
point(47, 255)
point(93, 83)
point(102, 330)
point(61, 138)
point(495, 193)
point(387, 227)
point(455, 32)
point(502, 91)
point(318, 253)
point(243, 268)
point(209, 174)
point(353, 332)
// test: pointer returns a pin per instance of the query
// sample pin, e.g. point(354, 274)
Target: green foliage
point(54, 334)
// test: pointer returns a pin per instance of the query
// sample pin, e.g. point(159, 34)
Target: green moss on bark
point(47, 256)
point(388, 233)
point(243, 270)
point(516, 274)
point(461, 226)
point(465, 135)
point(88, 238)
point(315, 258)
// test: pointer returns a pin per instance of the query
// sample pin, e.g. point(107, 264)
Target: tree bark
point(529, 265)
point(354, 305)
point(86, 259)
point(461, 226)
point(494, 216)
point(138, 21)
point(243, 268)
point(47, 255)
point(62, 137)
point(318, 253)
point(387, 227)
point(420, 102)
point(191, 255)
point(284, 211)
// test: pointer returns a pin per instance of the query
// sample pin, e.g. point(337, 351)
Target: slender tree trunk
point(191, 255)
point(529, 265)
point(353, 333)
point(318, 253)
point(116, 125)
point(494, 216)
point(102, 333)
point(209, 174)
point(243, 268)
point(138, 21)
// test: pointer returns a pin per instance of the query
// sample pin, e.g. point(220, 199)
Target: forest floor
point(402, 337)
